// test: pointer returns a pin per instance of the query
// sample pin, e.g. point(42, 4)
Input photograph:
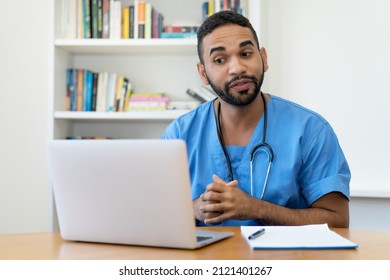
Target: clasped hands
point(222, 201)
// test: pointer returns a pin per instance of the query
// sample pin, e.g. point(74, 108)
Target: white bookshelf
point(152, 65)
point(128, 47)
point(166, 115)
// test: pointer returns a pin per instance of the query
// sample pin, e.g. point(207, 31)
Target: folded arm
point(223, 201)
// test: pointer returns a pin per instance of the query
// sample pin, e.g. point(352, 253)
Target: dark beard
point(245, 97)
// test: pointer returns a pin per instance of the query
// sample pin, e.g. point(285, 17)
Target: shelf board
point(128, 46)
point(157, 115)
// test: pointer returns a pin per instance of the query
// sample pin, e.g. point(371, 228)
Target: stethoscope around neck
point(263, 147)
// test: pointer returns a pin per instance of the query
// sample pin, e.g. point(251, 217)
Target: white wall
point(333, 56)
point(23, 114)
point(369, 213)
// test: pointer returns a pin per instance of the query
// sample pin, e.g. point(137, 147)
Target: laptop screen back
point(123, 191)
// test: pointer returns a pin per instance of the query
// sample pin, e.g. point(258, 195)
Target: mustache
point(243, 76)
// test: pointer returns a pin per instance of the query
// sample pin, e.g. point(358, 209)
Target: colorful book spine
point(88, 91)
point(101, 92)
point(110, 93)
point(141, 19)
point(80, 90)
point(106, 19)
point(87, 19)
point(80, 20)
point(148, 21)
point(71, 78)
point(177, 35)
point(100, 19)
point(181, 28)
point(92, 91)
point(135, 30)
point(69, 19)
point(125, 22)
point(94, 18)
point(131, 21)
point(118, 92)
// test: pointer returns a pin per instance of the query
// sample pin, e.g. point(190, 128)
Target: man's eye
point(246, 54)
point(219, 60)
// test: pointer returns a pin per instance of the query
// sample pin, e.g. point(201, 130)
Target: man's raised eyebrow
point(246, 43)
point(216, 49)
point(242, 45)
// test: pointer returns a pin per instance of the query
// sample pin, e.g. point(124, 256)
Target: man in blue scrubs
point(298, 175)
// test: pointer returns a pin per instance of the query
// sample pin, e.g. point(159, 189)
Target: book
point(121, 106)
point(106, 19)
point(210, 8)
point(157, 23)
point(71, 83)
point(94, 91)
point(202, 93)
point(127, 97)
point(100, 19)
point(87, 19)
point(78, 137)
point(80, 20)
point(79, 90)
point(125, 22)
point(156, 31)
point(181, 28)
point(148, 101)
point(141, 18)
point(118, 20)
point(115, 19)
point(205, 10)
point(177, 35)
point(69, 19)
point(135, 20)
point(296, 237)
point(101, 92)
point(118, 92)
point(131, 21)
point(86, 89)
point(148, 21)
point(110, 93)
point(89, 91)
point(217, 6)
point(94, 18)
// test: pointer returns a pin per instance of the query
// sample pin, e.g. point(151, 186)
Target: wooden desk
point(373, 245)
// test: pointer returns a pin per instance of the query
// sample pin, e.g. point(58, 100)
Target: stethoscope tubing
point(255, 150)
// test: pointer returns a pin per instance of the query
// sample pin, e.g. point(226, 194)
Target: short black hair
point(218, 19)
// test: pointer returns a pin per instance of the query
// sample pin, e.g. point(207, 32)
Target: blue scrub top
point(308, 160)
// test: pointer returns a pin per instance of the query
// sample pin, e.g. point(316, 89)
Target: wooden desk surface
point(373, 245)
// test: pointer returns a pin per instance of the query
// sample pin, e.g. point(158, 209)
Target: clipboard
point(296, 238)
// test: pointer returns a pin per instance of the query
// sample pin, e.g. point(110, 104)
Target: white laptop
point(134, 192)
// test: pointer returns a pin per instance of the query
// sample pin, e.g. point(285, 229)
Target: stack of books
point(110, 19)
point(213, 6)
point(148, 101)
point(91, 91)
point(88, 91)
point(131, 19)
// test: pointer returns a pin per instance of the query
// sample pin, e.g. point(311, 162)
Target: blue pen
point(256, 234)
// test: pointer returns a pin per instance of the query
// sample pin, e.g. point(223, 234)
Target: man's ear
point(202, 73)
point(263, 54)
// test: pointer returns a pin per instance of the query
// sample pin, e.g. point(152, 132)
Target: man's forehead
point(227, 34)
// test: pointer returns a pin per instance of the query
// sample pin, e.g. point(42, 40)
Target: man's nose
point(237, 66)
